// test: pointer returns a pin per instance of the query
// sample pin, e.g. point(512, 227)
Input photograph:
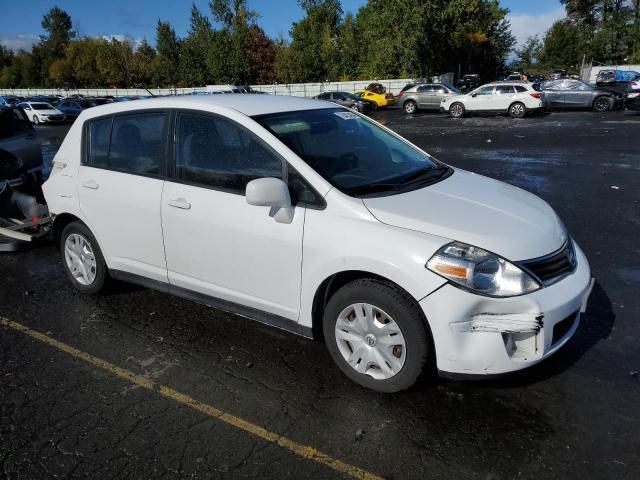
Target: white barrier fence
point(294, 89)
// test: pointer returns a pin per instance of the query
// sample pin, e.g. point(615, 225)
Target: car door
point(120, 184)
point(339, 99)
point(576, 94)
point(424, 94)
point(550, 94)
point(503, 96)
point(480, 99)
point(439, 93)
point(216, 243)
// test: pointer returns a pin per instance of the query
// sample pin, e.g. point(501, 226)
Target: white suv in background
point(515, 98)
point(315, 219)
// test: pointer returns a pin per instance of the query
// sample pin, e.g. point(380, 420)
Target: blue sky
point(136, 19)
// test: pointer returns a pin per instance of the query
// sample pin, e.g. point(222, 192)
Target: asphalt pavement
point(139, 384)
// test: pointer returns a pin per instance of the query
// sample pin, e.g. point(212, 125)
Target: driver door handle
point(179, 203)
point(90, 184)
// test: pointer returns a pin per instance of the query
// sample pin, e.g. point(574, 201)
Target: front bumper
point(477, 335)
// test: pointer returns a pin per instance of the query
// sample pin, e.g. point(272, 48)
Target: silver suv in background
point(427, 96)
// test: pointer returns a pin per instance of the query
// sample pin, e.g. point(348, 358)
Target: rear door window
point(99, 138)
point(504, 90)
point(136, 143)
point(128, 143)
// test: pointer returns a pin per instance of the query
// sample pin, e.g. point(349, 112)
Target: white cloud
point(527, 25)
point(17, 42)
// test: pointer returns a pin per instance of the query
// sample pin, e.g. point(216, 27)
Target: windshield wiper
point(372, 188)
point(425, 175)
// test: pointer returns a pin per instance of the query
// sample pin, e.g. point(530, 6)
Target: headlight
point(480, 271)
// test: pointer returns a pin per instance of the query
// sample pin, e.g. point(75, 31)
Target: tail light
point(536, 95)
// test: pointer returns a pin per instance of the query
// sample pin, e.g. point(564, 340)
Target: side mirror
point(274, 193)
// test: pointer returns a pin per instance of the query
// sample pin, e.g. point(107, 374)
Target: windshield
point(352, 153)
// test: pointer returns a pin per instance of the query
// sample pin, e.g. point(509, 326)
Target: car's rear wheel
point(36, 120)
point(601, 104)
point(410, 107)
point(82, 259)
point(376, 335)
point(517, 110)
point(457, 110)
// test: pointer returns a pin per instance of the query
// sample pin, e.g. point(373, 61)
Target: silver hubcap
point(456, 110)
point(80, 259)
point(370, 341)
point(517, 109)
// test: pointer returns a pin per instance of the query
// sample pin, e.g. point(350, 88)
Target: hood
point(479, 211)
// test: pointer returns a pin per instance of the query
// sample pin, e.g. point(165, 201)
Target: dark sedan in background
point(568, 93)
point(20, 153)
point(72, 107)
point(348, 100)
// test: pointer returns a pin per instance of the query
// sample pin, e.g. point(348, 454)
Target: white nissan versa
point(315, 219)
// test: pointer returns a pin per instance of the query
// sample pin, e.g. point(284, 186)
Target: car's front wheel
point(82, 259)
point(457, 110)
point(376, 335)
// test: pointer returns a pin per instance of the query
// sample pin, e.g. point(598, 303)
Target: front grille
point(552, 267)
point(561, 328)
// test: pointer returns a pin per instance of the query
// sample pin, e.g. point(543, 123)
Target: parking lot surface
point(576, 415)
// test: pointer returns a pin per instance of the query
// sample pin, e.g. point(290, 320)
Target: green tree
point(529, 55)
point(231, 44)
point(53, 45)
point(314, 41)
point(195, 47)
point(563, 44)
point(166, 67)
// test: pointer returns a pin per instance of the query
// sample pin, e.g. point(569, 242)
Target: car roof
point(247, 104)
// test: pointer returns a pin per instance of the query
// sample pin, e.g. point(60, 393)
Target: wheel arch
point(60, 222)
point(334, 282)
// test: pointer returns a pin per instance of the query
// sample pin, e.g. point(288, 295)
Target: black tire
point(102, 279)
point(517, 110)
point(602, 104)
point(410, 107)
point(36, 120)
point(406, 314)
point(457, 110)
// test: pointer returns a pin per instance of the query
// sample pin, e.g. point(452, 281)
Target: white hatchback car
point(42, 112)
point(514, 98)
point(315, 219)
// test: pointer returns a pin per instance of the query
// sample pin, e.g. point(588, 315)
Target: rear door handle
point(179, 203)
point(90, 184)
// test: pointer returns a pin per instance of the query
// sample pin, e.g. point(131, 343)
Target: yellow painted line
point(304, 451)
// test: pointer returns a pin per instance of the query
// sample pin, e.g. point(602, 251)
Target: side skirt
point(226, 306)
